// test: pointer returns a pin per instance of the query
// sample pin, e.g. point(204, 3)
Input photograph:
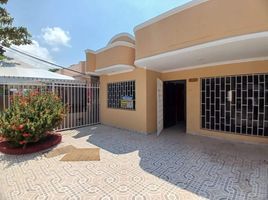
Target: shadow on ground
point(211, 168)
point(13, 160)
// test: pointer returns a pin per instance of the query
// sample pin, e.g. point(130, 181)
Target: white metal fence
point(81, 98)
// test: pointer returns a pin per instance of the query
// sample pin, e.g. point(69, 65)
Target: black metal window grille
point(235, 104)
point(122, 95)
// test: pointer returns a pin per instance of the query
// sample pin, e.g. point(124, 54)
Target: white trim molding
point(109, 46)
point(144, 62)
point(169, 13)
point(121, 72)
point(216, 64)
point(90, 51)
point(114, 69)
point(205, 45)
point(92, 73)
point(121, 35)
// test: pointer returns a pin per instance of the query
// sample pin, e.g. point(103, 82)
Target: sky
point(63, 29)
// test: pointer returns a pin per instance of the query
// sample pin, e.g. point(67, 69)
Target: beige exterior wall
point(80, 67)
point(151, 100)
point(114, 56)
point(132, 120)
point(90, 62)
point(193, 94)
point(125, 39)
point(212, 20)
point(200, 24)
point(144, 118)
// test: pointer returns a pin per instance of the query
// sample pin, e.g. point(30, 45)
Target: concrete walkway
point(135, 166)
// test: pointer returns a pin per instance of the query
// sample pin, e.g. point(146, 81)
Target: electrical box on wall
point(193, 80)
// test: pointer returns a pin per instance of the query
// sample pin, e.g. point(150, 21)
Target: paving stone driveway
point(135, 166)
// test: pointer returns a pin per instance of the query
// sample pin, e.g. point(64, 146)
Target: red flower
point(14, 127)
point(20, 127)
point(36, 92)
point(26, 134)
point(47, 133)
point(22, 142)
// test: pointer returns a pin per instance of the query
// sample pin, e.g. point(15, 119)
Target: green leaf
point(8, 33)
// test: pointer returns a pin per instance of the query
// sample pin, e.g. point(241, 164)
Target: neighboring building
point(204, 64)
point(78, 71)
point(12, 71)
point(14, 74)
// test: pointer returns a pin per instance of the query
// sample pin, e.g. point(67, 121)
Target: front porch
point(134, 166)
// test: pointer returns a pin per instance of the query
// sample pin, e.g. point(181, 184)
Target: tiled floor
point(134, 166)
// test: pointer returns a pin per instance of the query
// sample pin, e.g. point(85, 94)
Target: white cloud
point(55, 49)
point(36, 50)
point(56, 37)
point(51, 40)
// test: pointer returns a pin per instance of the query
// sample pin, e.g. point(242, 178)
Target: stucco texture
point(117, 55)
point(203, 23)
point(193, 94)
point(143, 119)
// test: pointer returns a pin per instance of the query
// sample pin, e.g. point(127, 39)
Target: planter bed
point(50, 141)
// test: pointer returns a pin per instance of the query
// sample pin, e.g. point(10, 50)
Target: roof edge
point(120, 35)
point(169, 13)
point(204, 45)
point(109, 46)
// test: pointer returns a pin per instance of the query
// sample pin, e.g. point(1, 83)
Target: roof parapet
point(169, 13)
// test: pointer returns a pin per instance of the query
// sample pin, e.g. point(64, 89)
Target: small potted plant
point(30, 118)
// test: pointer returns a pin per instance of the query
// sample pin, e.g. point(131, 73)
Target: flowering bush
point(31, 117)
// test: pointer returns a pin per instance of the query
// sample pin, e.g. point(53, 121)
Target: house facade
point(203, 65)
point(75, 70)
point(78, 72)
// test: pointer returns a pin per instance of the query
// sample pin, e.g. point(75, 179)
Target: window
point(235, 104)
point(121, 95)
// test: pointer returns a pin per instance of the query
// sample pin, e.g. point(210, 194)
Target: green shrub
point(31, 117)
